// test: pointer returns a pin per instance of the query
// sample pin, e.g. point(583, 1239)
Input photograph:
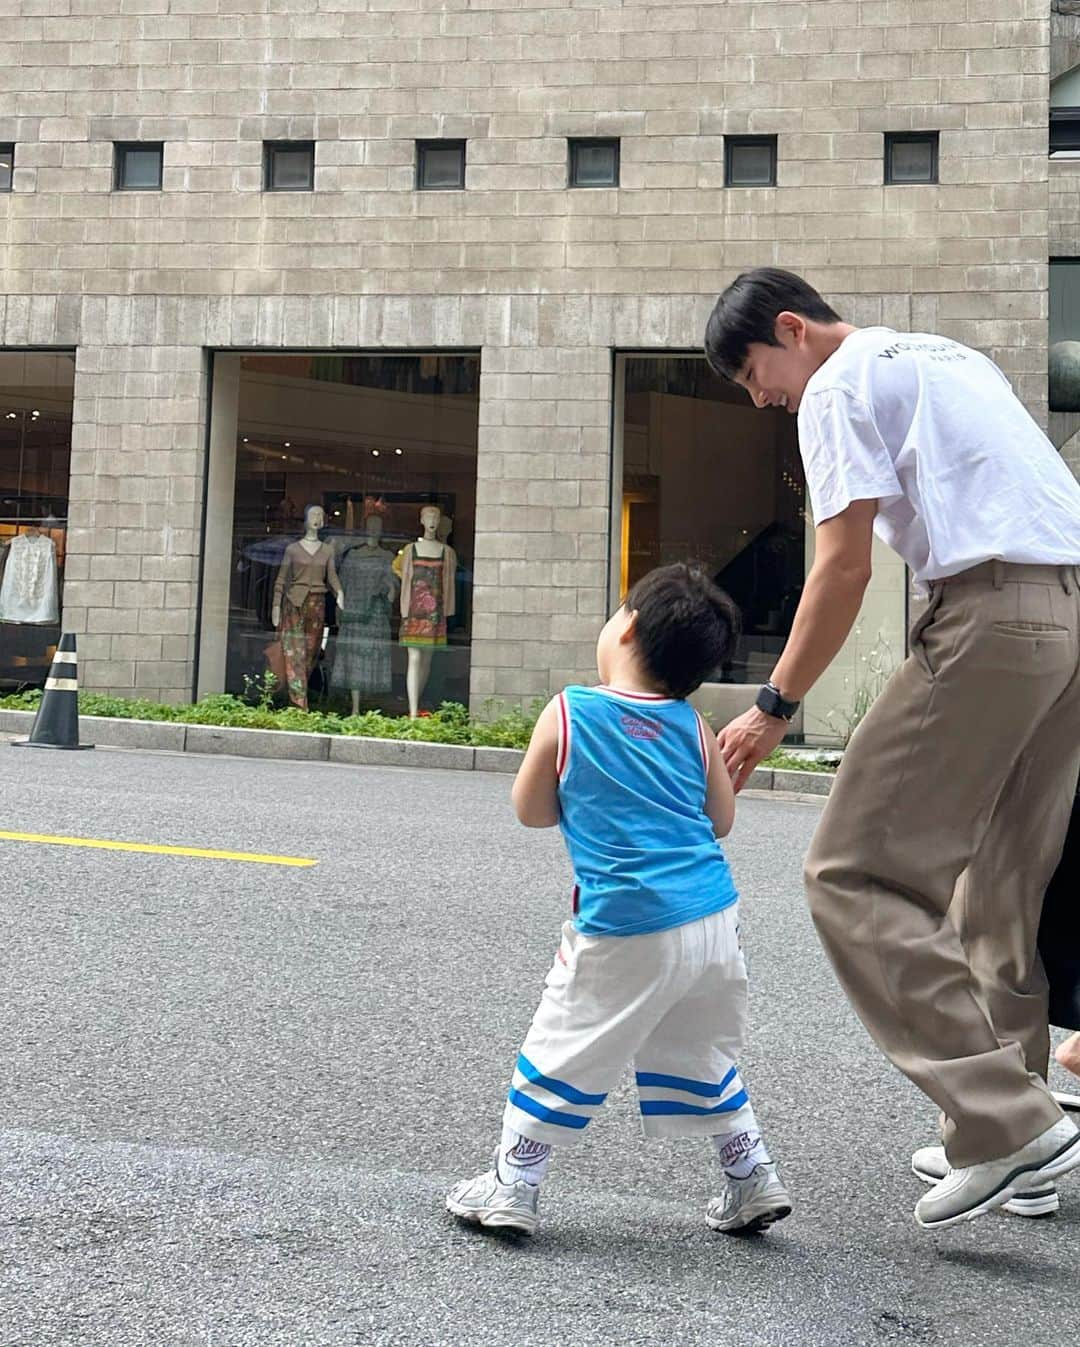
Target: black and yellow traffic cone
point(56, 724)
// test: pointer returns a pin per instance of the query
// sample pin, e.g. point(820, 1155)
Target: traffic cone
point(56, 724)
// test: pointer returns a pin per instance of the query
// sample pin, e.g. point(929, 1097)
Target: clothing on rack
point(29, 591)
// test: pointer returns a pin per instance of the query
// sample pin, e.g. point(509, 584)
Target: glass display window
point(707, 478)
point(36, 396)
point(353, 530)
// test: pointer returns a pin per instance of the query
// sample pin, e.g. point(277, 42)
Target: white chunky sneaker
point(930, 1164)
point(499, 1206)
point(966, 1193)
point(751, 1204)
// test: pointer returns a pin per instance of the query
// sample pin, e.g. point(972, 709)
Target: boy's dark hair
point(747, 311)
point(685, 626)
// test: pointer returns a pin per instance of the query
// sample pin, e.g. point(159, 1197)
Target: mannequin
point(29, 591)
point(299, 611)
point(369, 587)
point(427, 600)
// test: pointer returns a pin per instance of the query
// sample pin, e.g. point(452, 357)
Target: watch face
point(770, 701)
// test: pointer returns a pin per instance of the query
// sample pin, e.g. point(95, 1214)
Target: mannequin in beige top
point(427, 600)
point(307, 572)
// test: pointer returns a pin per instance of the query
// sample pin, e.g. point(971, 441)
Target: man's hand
point(748, 739)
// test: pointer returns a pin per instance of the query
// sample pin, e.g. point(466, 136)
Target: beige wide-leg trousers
point(959, 784)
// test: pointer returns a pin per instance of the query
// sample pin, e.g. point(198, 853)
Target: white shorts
point(672, 1002)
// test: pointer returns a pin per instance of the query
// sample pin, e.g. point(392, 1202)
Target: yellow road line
point(156, 850)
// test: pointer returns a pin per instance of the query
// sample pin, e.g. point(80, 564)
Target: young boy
point(650, 969)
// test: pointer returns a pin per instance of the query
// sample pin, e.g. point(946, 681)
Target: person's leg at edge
point(906, 817)
point(1068, 1054)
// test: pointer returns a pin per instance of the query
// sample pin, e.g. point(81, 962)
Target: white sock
point(741, 1152)
point(521, 1158)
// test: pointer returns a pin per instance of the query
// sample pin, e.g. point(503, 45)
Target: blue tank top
point(632, 799)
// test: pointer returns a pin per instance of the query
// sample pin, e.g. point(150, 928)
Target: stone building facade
point(548, 286)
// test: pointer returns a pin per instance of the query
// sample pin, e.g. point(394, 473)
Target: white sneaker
point(499, 1206)
point(751, 1204)
point(966, 1193)
point(930, 1164)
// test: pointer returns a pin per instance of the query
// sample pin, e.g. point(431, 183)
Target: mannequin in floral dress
point(427, 600)
point(299, 613)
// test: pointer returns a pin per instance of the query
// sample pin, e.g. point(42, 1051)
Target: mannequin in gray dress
point(369, 586)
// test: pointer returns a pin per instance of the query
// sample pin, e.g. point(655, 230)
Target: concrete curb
point(399, 753)
point(340, 748)
point(257, 743)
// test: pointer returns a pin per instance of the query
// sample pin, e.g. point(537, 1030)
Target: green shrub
point(780, 761)
point(497, 727)
point(450, 724)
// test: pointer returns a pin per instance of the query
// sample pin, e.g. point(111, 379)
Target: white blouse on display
point(28, 591)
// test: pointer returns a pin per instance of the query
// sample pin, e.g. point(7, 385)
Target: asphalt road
point(232, 1095)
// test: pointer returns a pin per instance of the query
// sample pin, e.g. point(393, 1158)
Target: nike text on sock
point(740, 1152)
point(521, 1158)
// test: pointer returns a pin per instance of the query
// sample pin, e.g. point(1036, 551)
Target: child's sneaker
point(751, 1204)
point(498, 1206)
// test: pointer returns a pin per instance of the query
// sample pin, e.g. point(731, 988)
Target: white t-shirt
point(932, 431)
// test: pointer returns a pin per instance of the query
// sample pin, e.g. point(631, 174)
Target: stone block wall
point(546, 282)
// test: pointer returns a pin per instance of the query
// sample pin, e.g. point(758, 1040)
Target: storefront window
point(710, 479)
point(353, 530)
point(35, 465)
point(1064, 355)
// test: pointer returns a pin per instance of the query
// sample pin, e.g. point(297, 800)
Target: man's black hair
point(685, 626)
point(747, 311)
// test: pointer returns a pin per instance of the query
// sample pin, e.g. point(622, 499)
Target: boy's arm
point(719, 794)
point(535, 792)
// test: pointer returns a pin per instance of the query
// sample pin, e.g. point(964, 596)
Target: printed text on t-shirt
point(936, 350)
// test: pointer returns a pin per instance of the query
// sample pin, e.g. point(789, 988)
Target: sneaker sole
point(1018, 1183)
point(1030, 1204)
point(753, 1220)
point(495, 1219)
point(1070, 1102)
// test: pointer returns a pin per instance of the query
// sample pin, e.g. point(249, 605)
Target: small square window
point(594, 163)
point(7, 166)
point(911, 157)
point(440, 165)
point(750, 161)
point(289, 165)
point(138, 167)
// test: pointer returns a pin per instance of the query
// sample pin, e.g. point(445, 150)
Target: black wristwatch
point(770, 701)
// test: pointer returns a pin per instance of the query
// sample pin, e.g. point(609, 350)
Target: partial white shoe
point(966, 1193)
point(487, 1201)
point(930, 1164)
point(750, 1205)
